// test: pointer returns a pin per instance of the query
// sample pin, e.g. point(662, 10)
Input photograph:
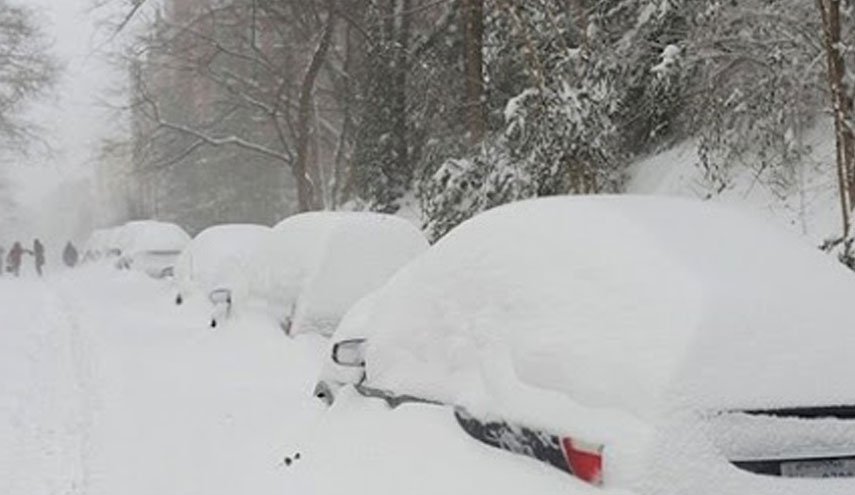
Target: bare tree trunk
point(842, 107)
point(401, 36)
point(305, 189)
point(473, 29)
point(340, 162)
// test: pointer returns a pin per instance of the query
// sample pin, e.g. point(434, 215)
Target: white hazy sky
point(74, 118)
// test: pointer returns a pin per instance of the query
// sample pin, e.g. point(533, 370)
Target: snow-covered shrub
point(758, 85)
point(462, 187)
point(580, 95)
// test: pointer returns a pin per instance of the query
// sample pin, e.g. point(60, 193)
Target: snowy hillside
point(811, 209)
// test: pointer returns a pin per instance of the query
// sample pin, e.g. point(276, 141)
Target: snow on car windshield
point(218, 258)
point(147, 235)
point(316, 265)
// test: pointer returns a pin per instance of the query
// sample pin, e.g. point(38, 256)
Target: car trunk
point(798, 442)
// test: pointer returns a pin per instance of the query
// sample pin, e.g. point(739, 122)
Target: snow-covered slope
point(810, 208)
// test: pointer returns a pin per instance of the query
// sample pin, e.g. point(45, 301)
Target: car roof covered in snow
point(622, 305)
point(320, 263)
point(218, 257)
point(151, 235)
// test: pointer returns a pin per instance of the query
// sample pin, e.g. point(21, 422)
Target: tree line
point(462, 105)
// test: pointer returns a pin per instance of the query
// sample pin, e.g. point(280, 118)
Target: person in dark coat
point(14, 259)
point(39, 254)
point(70, 255)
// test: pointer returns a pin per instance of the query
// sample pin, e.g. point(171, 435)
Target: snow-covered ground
point(106, 387)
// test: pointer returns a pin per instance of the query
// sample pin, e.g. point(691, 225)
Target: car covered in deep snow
point(664, 346)
point(150, 247)
point(316, 265)
point(101, 243)
point(214, 267)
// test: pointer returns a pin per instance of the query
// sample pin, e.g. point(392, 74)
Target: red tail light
point(585, 460)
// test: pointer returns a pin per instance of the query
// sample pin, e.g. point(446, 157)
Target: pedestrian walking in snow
point(13, 260)
point(39, 254)
point(70, 255)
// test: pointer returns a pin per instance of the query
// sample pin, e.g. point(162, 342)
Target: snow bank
point(219, 258)
point(318, 264)
point(599, 316)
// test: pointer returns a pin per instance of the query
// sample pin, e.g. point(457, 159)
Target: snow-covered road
point(108, 388)
point(45, 406)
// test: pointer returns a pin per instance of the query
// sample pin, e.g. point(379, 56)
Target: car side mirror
point(349, 353)
point(220, 296)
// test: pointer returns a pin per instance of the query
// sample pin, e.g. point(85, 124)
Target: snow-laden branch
point(206, 138)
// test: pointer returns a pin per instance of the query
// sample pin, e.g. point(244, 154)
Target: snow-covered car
point(151, 247)
point(661, 346)
point(316, 265)
point(215, 266)
point(102, 243)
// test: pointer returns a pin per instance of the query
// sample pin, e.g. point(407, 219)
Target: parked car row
point(660, 346)
point(305, 272)
point(147, 246)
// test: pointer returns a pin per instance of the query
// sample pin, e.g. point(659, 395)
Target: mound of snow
point(317, 265)
point(219, 258)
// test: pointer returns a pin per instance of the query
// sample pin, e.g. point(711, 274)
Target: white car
point(151, 247)
point(316, 265)
point(214, 267)
point(660, 346)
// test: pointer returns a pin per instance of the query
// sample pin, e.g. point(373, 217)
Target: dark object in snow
point(213, 323)
point(290, 460)
point(842, 248)
point(179, 300)
point(39, 255)
point(13, 260)
point(577, 459)
point(70, 255)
